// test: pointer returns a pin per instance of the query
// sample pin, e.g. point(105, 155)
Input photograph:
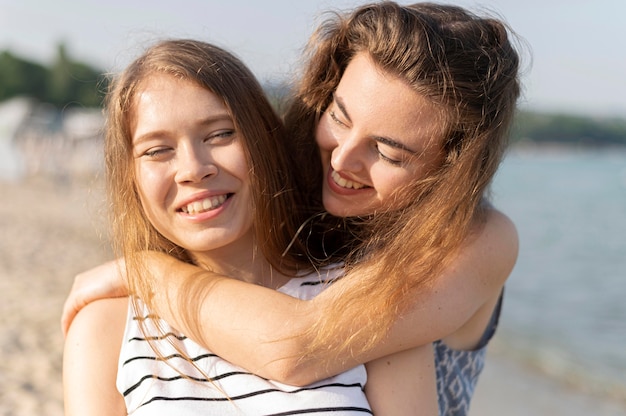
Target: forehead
point(383, 101)
point(165, 86)
point(162, 99)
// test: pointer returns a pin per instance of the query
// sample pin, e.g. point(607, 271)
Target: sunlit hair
point(467, 67)
point(264, 141)
point(275, 197)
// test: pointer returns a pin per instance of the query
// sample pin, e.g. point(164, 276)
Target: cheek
point(324, 135)
point(389, 185)
point(149, 185)
point(152, 198)
point(232, 160)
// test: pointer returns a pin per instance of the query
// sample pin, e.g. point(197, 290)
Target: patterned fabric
point(154, 386)
point(458, 371)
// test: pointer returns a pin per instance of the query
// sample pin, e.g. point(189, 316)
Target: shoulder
point(96, 332)
point(103, 319)
point(498, 240)
point(496, 220)
point(485, 260)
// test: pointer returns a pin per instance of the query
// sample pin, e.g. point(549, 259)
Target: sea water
point(565, 303)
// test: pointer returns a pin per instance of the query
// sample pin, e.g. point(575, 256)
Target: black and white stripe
point(204, 384)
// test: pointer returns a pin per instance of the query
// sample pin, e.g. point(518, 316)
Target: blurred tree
point(73, 83)
point(568, 129)
point(21, 77)
point(65, 83)
point(60, 78)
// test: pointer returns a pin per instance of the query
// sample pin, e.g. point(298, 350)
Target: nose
point(194, 164)
point(348, 154)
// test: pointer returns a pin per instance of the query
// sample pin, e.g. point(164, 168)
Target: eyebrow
point(381, 139)
point(202, 123)
point(342, 107)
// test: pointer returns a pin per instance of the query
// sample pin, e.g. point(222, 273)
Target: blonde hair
point(467, 67)
point(277, 200)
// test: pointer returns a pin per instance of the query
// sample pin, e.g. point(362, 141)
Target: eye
point(156, 152)
point(334, 118)
point(221, 137)
point(391, 160)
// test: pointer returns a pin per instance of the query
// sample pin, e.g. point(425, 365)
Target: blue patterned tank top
point(458, 370)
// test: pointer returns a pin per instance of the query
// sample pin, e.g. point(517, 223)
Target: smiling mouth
point(205, 205)
point(344, 183)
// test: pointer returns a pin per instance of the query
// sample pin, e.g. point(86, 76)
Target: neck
point(243, 263)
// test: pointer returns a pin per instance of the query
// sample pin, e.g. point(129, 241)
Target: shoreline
point(512, 386)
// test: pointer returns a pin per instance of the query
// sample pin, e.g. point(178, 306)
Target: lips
point(204, 205)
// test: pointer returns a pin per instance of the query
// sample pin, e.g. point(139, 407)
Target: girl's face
point(190, 167)
point(376, 136)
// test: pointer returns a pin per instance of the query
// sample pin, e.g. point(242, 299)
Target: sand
point(513, 388)
point(51, 230)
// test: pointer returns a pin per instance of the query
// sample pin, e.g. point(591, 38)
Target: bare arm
point(403, 383)
point(90, 360)
point(271, 323)
point(101, 282)
point(261, 329)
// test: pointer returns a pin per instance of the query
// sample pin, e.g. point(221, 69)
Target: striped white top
point(154, 387)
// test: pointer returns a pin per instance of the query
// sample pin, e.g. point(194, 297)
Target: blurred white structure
point(12, 114)
point(38, 139)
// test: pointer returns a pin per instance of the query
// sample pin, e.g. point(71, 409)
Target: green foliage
point(65, 83)
point(19, 77)
point(568, 129)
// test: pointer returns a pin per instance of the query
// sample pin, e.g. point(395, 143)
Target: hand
point(104, 281)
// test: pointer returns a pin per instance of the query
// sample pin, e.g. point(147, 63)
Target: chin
point(341, 210)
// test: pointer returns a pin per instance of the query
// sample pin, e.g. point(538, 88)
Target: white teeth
point(345, 183)
point(204, 205)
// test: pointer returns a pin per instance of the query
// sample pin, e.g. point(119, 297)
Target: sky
point(573, 51)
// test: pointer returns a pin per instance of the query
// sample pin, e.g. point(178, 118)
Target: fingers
point(72, 305)
point(67, 316)
point(103, 281)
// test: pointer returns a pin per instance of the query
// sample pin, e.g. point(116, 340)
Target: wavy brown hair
point(467, 67)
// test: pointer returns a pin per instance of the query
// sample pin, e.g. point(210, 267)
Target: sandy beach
point(52, 230)
point(513, 388)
